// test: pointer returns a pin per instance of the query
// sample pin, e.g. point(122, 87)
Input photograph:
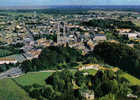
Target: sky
point(67, 2)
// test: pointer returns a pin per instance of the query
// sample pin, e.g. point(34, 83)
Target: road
point(16, 72)
point(30, 34)
point(52, 71)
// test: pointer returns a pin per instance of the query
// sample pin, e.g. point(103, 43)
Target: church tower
point(61, 33)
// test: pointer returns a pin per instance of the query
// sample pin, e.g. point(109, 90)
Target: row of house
point(13, 59)
point(6, 60)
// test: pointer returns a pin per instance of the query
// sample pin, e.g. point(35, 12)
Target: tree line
point(110, 24)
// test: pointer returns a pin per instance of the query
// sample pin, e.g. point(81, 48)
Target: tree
point(61, 80)
point(48, 93)
point(35, 93)
point(110, 36)
point(80, 78)
point(108, 97)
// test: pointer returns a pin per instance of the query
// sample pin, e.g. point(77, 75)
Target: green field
point(33, 78)
point(133, 80)
point(17, 13)
point(4, 52)
point(10, 91)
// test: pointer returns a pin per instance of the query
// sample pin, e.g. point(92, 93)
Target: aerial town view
point(69, 50)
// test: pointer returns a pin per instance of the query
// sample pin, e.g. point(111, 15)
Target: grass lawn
point(91, 71)
point(17, 13)
point(133, 80)
point(33, 78)
point(10, 91)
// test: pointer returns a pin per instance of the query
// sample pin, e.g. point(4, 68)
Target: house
point(89, 66)
point(101, 32)
point(35, 53)
point(8, 60)
point(132, 35)
point(123, 30)
point(87, 94)
point(131, 96)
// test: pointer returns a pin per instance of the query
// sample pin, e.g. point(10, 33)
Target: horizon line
point(67, 5)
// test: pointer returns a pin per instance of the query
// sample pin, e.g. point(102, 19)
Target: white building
point(132, 35)
point(100, 37)
point(89, 66)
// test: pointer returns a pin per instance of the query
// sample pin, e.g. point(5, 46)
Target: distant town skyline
point(67, 2)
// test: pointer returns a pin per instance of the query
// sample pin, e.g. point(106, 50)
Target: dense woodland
point(120, 55)
point(53, 58)
point(109, 23)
